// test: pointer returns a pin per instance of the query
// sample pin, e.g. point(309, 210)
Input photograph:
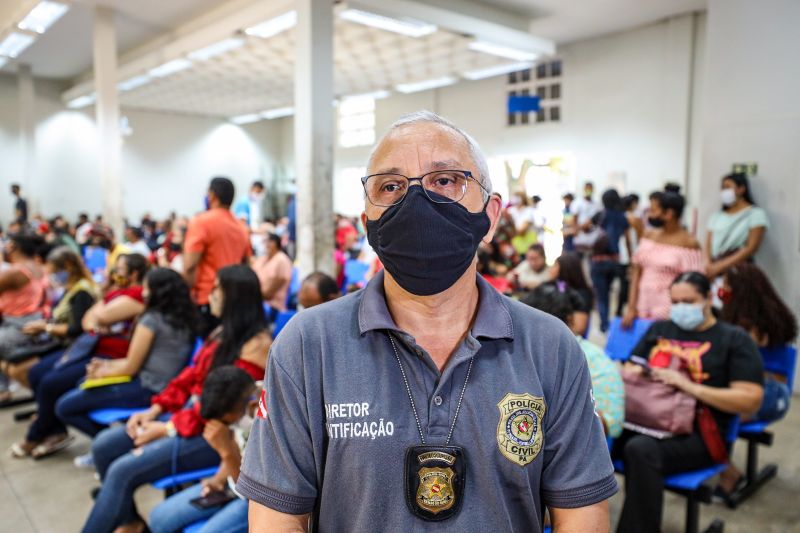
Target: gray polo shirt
point(338, 419)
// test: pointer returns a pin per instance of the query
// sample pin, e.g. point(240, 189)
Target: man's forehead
point(432, 145)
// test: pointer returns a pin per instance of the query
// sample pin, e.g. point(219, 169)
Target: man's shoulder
point(334, 318)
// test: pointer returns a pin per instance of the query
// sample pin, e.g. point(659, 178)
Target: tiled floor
point(52, 496)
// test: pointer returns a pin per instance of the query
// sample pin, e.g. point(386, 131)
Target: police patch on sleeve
point(520, 434)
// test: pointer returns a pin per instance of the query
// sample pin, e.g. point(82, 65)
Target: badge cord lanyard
point(411, 397)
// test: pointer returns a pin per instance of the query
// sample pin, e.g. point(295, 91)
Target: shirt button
point(437, 401)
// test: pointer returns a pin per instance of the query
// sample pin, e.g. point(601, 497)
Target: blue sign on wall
point(523, 104)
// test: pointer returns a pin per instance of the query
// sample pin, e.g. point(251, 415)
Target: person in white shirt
point(532, 271)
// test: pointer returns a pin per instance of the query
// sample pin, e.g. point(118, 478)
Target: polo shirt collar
point(492, 321)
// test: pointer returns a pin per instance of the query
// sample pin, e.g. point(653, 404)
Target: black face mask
point(427, 246)
point(655, 222)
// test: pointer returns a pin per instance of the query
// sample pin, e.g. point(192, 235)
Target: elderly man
point(427, 401)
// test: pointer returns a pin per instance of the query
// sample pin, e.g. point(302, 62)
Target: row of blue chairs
point(693, 485)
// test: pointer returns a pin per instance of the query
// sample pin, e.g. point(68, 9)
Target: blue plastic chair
point(294, 289)
point(110, 415)
point(693, 486)
point(281, 321)
point(171, 484)
point(621, 342)
point(781, 361)
point(96, 258)
point(194, 528)
point(354, 272)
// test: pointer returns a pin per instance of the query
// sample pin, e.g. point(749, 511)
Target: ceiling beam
point(465, 17)
point(212, 26)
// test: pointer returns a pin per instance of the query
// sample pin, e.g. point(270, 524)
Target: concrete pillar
point(752, 114)
point(27, 136)
point(314, 134)
point(107, 114)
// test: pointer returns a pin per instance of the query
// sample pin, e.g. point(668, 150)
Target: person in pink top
point(22, 296)
point(664, 252)
point(274, 272)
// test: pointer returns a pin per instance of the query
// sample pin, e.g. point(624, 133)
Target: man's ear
point(364, 219)
point(493, 209)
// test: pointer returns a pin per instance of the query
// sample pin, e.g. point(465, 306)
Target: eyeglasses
point(448, 186)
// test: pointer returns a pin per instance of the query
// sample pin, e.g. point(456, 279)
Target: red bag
point(658, 406)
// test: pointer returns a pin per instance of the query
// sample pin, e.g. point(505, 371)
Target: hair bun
point(672, 187)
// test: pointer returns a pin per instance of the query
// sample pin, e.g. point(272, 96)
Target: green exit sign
point(751, 169)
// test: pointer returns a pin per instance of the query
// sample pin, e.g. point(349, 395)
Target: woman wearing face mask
point(735, 233)
point(69, 275)
point(664, 252)
point(107, 326)
point(726, 380)
point(22, 296)
point(147, 448)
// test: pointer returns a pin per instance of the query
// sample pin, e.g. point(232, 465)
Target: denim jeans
point(176, 513)
point(123, 469)
point(603, 274)
point(49, 384)
point(74, 407)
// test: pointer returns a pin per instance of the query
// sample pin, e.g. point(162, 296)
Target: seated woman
point(609, 394)
point(68, 273)
point(147, 448)
point(109, 322)
point(751, 302)
point(726, 377)
point(227, 399)
point(568, 269)
point(664, 252)
point(160, 346)
point(22, 296)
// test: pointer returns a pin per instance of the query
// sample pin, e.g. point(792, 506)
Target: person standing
point(427, 400)
point(249, 208)
point(214, 239)
point(20, 205)
point(736, 231)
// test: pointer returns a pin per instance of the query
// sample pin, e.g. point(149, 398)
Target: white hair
point(429, 117)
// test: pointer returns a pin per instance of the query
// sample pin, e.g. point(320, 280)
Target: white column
point(314, 135)
point(107, 113)
point(27, 135)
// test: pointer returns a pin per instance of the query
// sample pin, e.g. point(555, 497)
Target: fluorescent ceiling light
point(279, 112)
point(216, 49)
point(134, 82)
point(497, 70)
point(409, 27)
point(274, 26)
point(246, 119)
point(375, 95)
point(170, 67)
point(81, 101)
point(15, 44)
point(425, 85)
point(502, 51)
point(43, 16)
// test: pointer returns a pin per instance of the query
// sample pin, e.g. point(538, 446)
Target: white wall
point(752, 113)
point(166, 162)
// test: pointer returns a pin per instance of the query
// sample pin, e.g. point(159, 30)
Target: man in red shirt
point(214, 239)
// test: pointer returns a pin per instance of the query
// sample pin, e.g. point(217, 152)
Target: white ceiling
point(259, 75)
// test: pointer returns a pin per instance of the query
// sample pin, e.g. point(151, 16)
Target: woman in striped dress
point(663, 253)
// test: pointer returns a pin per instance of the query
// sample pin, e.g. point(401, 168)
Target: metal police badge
point(520, 434)
point(435, 477)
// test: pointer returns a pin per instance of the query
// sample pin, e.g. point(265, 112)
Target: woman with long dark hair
point(160, 346)
point(736, 231)
point(569, 270)
point(147, 448)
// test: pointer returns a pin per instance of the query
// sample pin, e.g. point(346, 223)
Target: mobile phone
point(213, 499)
point(642, 362)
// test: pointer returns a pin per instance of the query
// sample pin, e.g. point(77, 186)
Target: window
point(555, 91)
point(544, 81)
point(541, 71)
point(357, 122)
point(555, 114)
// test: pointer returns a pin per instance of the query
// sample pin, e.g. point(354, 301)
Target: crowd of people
point(176, 322)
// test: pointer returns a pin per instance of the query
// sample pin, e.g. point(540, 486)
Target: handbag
point(81, 349)
point(20, 354)
point(656, 406)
